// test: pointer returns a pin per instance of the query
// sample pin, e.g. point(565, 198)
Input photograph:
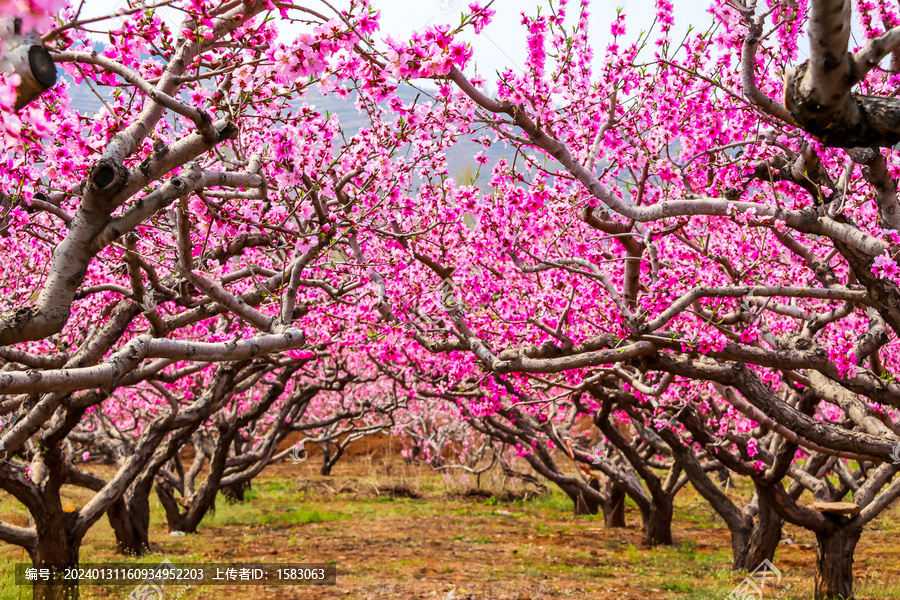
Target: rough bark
point(750, 546)
point(763, 539)
point(614, 508)
point(130, 519)
point(855, 120)
point(657, 523)
point(57, 544)
point(175, 518)
point(834, 562)
point(55, 548)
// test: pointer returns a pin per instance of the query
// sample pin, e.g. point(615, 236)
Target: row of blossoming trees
point(693, 245)
point(172, 265)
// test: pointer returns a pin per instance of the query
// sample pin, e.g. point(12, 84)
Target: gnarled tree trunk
point(327, 463)
point(763, 539)
point(834, 563)
point(235, 492)
point(614, 508)
point(57, 547)
point(657, 526)
point(130, 519)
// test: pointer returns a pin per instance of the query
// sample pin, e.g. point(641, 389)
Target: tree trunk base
point(834, 564)
point(657, 529)
point(62, 555)
point(234, 494)
point(614, 511)
point(763, 539)
point(130, 520)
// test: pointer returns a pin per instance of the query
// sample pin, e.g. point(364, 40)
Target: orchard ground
point(450, 545)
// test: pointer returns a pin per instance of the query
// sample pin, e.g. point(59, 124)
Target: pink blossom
point(885, 267)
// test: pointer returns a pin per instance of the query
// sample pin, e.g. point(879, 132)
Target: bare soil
point(401, 531)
